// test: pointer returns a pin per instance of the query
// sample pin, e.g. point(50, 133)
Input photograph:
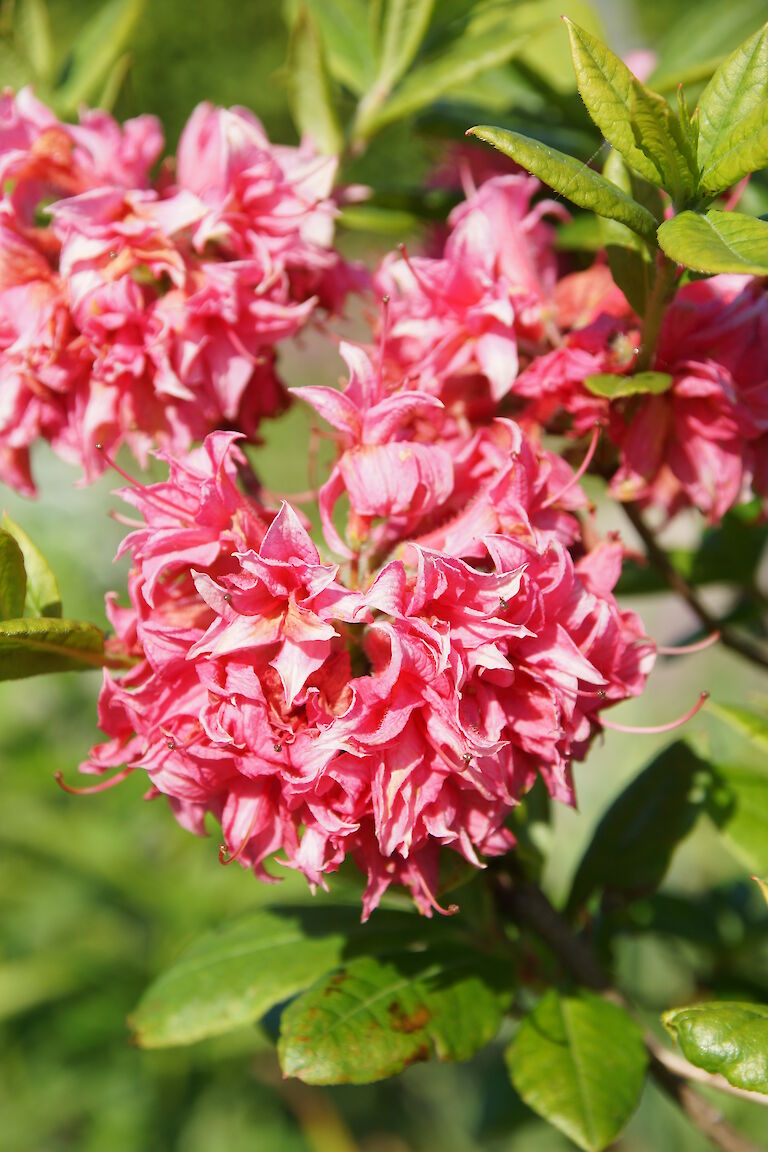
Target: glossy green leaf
point(579, 1062)
point(635, 840)
point(30, 647)
point(232, 976)
point(375, 1016)
point(616, 387)
point(746, 721)
point(738, 90)
point(13, 578)
point(459, 63)
point(745, 151)
point(636, 121)
point(32, 28)
point(100, 43)
point(42, 593)
point(738, 803)
point(717, 242)
point(570, 178)
point(309, 90)
point(727, 1038)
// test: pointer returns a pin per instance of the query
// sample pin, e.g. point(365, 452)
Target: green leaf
point(309, 91)
point(746, 721)
point(738, 90)
point(374, 1017)
point(32, 30)
point(727, 1038)
point(693, 47)
point(403, 30)
point(738, 804)
point(635, 840)
point(547, 55)
point(745, 151)
point(14, 71)
point(232, 976)
point(579, 1062)
point(629, 258)
point(29, 647)
point(42, 595)
point(717, 242)
point(114, 82)
point(570, 178)
point(13, 578)
point(343, 26)
point(763, 886)
point(459, 63)
point(636, 121)
point(100, 43)
point(616, 387)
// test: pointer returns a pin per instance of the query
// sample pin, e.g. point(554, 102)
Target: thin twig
point(528, 906)
point(677, 582)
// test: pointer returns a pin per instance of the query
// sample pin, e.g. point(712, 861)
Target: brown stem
point(677, 582)
point(529, 907)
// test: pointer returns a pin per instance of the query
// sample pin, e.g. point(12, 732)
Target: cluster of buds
point(147, 311)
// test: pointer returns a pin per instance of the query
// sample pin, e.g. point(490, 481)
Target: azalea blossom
point(316, 717)
point(148, 311)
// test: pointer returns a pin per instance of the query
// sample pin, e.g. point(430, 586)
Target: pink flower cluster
point(703, 442)
point(383, 710)
point(147, 311)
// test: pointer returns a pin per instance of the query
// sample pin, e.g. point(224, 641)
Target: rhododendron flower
point(696, 444)
point(317, 719)
point(381, 469)
point(162, 305)
point(463, 315)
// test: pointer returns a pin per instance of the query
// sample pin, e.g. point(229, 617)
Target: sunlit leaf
point(570, 178)
point(744, 151)
point(738, 90)
point(639, 124)
point(616, 387)
point(717, 242)
point(30, 647)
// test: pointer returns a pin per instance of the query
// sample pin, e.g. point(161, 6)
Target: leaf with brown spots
point(376, 1016)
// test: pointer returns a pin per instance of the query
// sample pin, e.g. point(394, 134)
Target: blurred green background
point(98, 894)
